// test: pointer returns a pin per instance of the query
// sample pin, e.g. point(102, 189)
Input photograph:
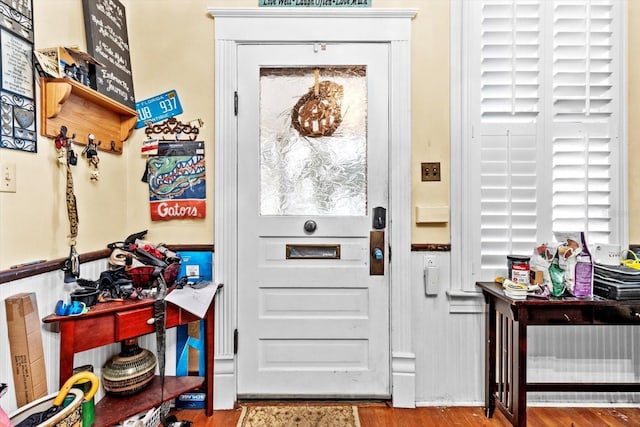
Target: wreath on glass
point(318, 112)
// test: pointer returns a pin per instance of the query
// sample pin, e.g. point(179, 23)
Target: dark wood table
point(506, 384)
point(112, 322)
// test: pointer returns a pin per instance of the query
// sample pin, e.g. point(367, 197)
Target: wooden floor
point(382, 415)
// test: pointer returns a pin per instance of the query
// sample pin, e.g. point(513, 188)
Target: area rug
point(299, 416)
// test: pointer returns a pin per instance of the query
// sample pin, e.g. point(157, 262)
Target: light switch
point(8, 178)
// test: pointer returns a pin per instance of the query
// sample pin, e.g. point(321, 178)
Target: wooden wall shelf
point(84, 111)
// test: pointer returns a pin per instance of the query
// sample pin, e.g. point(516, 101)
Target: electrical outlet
point(431, 171)
point(7, 178)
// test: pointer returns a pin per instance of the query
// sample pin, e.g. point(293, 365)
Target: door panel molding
point(251, 26)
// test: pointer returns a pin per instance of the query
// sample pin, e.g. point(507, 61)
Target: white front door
point(313, 132)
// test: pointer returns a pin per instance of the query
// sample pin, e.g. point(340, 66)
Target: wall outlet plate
point(430, 171)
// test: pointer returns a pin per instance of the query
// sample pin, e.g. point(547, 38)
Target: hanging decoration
point(175, 171)
point(91, 153)
point(318, 112)
point(68, 158)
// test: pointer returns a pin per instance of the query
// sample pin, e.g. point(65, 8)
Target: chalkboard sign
point(105, 23)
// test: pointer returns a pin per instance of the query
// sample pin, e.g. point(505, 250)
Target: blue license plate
point(158, 108)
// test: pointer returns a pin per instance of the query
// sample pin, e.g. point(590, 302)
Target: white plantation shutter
point(509, 63)
point(543, 140)
point(506, 131)
point(584, 119)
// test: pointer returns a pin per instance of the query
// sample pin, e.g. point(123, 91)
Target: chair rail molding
point(236, 26)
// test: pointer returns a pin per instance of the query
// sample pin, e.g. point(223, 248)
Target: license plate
point(158, 108)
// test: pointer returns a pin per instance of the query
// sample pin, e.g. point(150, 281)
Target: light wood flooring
point(382, 415)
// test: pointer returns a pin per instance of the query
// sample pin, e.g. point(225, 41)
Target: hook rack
point(176, 128)
point(65, 102)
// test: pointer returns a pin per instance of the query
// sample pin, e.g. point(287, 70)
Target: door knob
point(310, 226)
point(377, 254)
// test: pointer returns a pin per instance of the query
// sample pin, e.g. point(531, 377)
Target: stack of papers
point(515, 290)
point(194, 300)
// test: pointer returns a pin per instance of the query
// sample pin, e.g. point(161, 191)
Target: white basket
point(150, 419)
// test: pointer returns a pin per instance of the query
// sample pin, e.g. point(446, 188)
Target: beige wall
point(172, 48)
point(33, 221)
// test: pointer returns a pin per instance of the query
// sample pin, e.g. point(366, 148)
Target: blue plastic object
point(71, 309)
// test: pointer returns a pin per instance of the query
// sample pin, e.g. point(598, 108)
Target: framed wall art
point(17, 105)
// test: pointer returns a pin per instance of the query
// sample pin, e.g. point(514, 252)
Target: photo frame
point(17, 84)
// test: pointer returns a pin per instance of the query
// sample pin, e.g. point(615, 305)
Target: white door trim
point(234, 26)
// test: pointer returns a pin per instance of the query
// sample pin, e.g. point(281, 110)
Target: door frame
point(235, 26)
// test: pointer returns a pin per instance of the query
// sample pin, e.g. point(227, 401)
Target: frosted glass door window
point(313, 141)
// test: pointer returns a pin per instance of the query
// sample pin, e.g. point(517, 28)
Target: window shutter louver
point(510, 61)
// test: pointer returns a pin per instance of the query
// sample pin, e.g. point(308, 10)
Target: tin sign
point(315, 3)
point(158, 108)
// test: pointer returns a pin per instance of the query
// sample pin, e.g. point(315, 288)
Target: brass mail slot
point(313, 251)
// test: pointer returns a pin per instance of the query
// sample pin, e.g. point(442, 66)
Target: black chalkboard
point(107, 41)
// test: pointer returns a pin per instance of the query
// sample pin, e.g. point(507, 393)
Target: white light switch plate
point(7, 177)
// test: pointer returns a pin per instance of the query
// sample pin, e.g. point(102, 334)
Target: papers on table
point(195, 301)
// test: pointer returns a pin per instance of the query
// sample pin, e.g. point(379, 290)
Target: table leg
point(210, 357)
point(519, 371)
point(490, 358)
point(67, 350)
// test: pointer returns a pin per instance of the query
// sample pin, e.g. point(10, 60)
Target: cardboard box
point(25, 343)
point(190, 356)
point(536, 276)
point(196, 265)
point(59, 61)
point(195, 399)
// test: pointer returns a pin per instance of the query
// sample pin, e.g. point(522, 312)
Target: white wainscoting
point(450, 354)
point(448, 347)
point(49, 288)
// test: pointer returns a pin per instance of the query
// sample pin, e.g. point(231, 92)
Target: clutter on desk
point(618, 282)
point(565, 266)
point(559, 268)
point(516, 290)
point(134, 267)
point(570, 267)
